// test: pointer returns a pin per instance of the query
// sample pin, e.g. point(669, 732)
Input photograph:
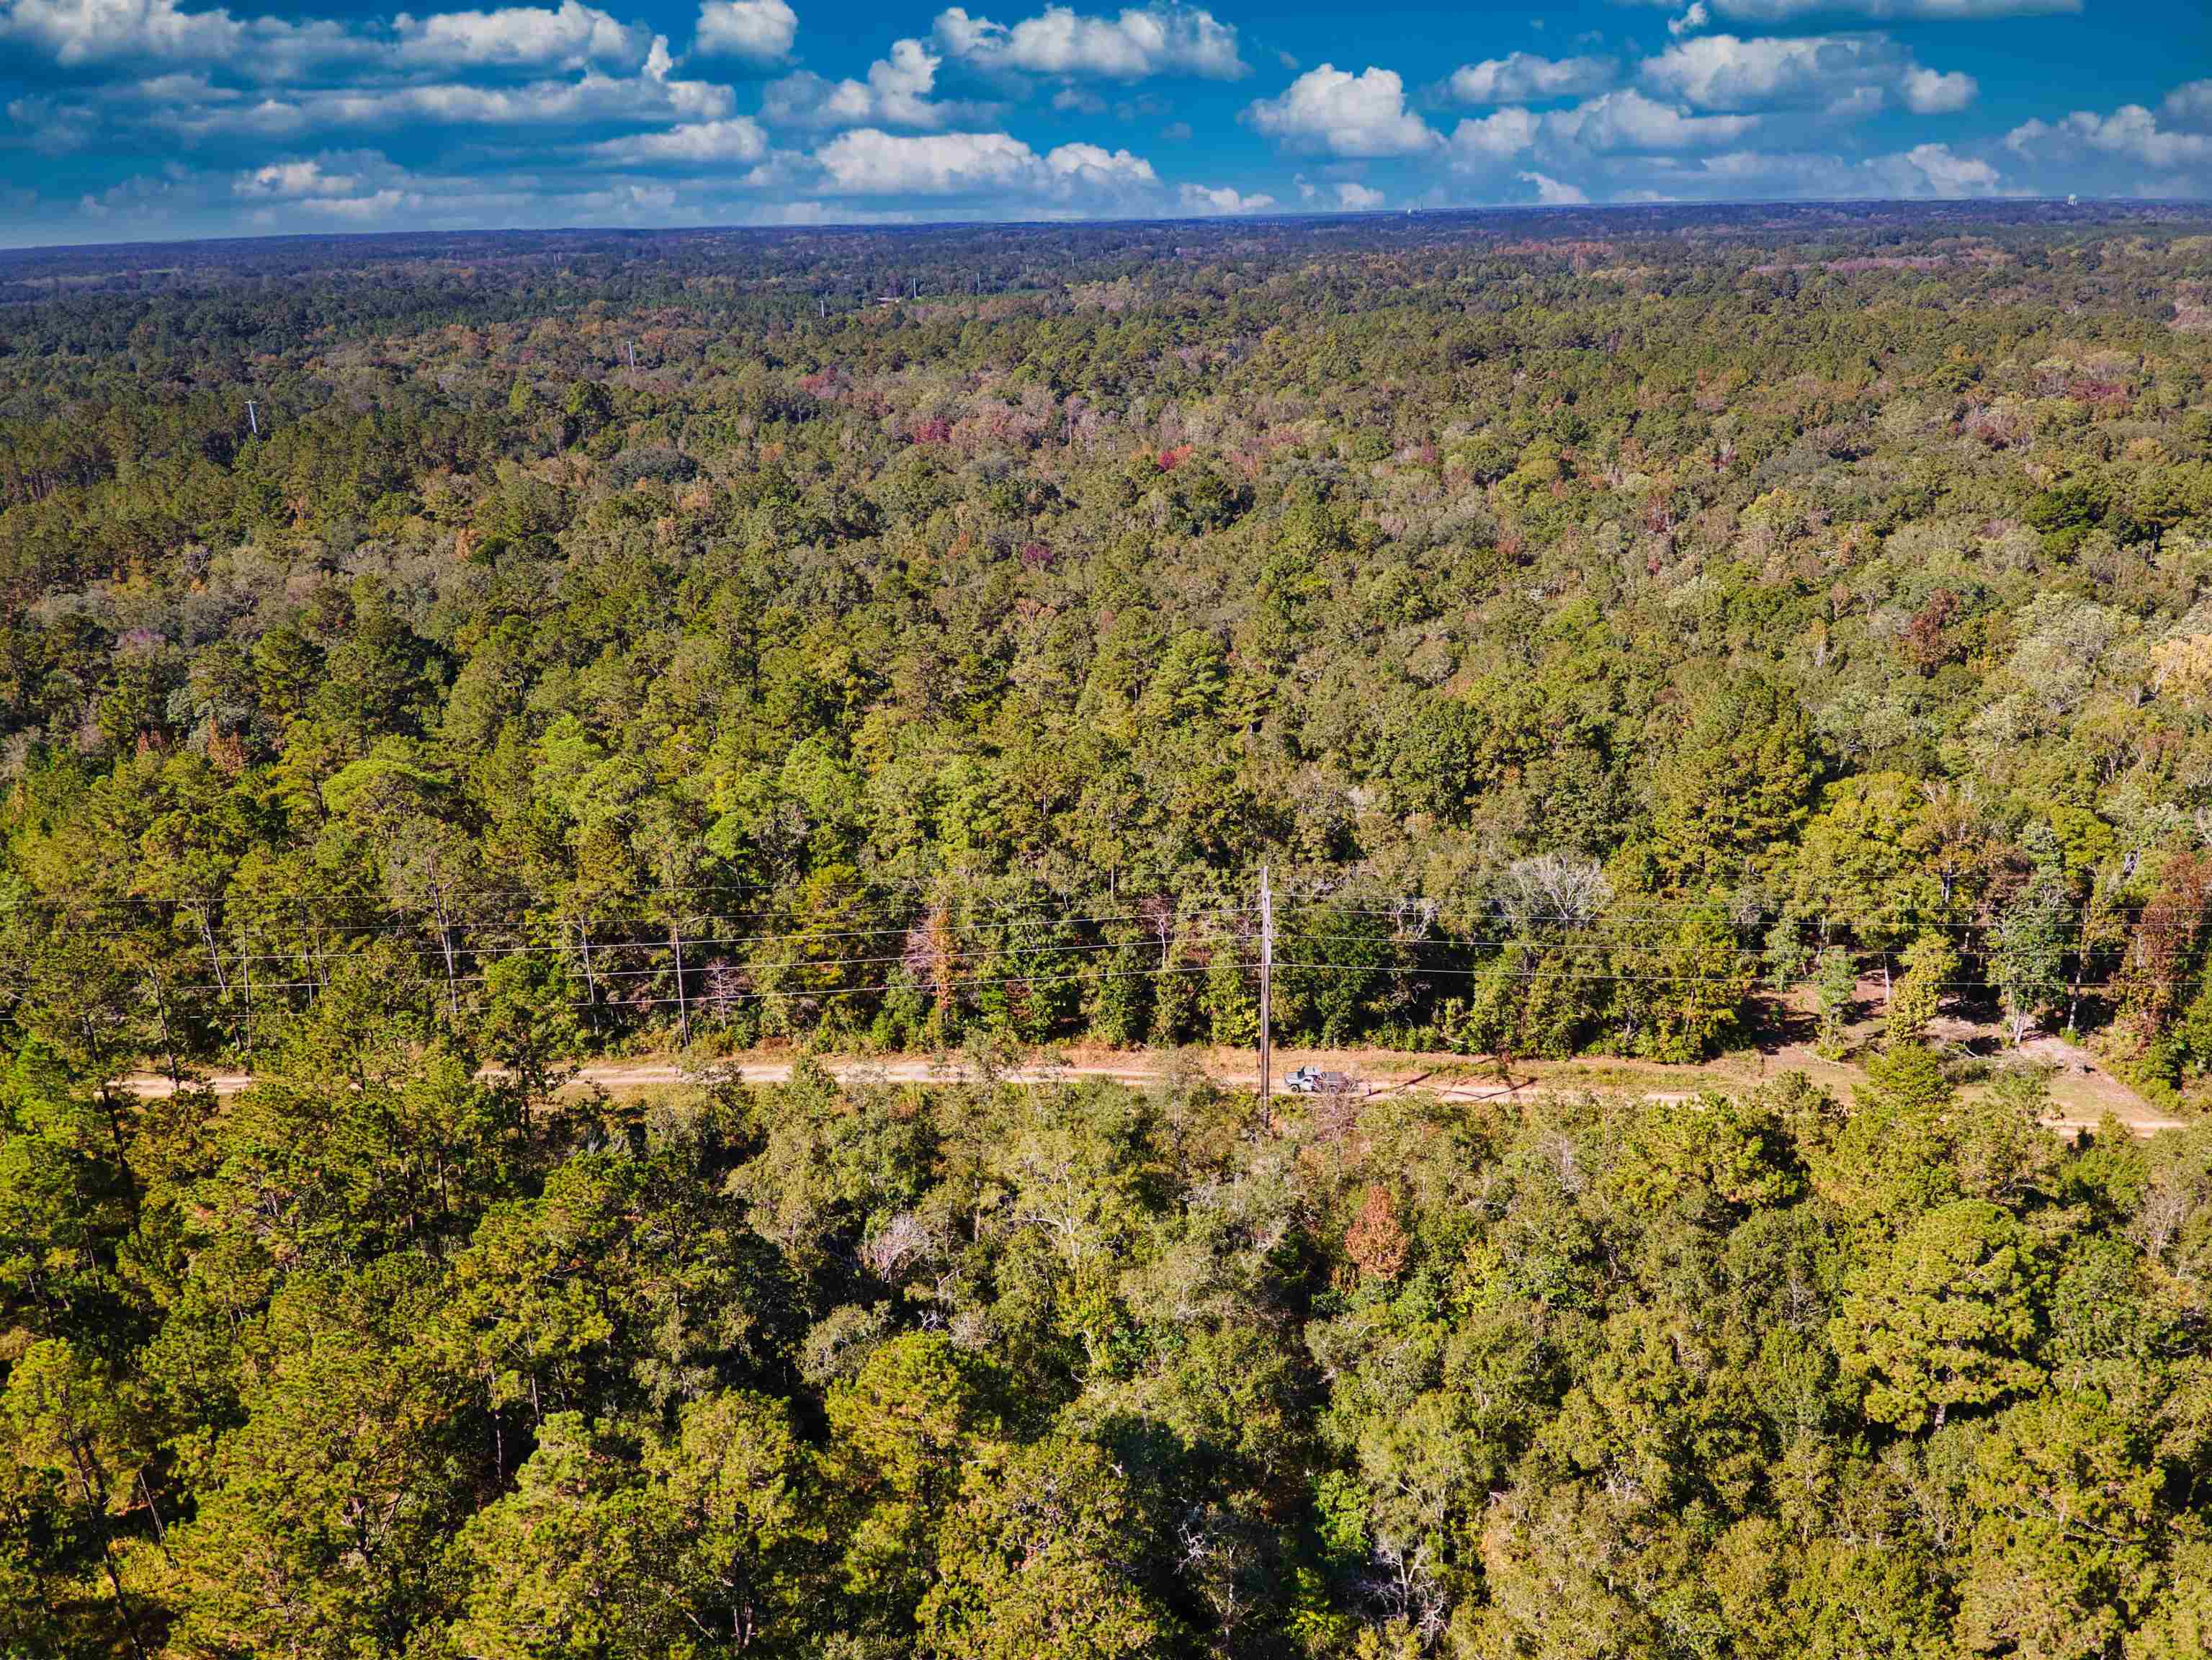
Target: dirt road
point(616, 1076)
point(2082, 1093)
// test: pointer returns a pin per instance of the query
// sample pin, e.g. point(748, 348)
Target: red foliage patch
point(2085, 391)
point(1374, 1242)
point(1926, 640)
point(2165, 940)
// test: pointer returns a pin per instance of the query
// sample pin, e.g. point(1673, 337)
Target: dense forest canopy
point(428, 663)
point(1806, 579)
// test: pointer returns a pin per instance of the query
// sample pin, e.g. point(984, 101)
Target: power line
point(1620, 940)
point(655, 890)
point(759, 992)
point(1596, 933)
point(461, 924)
point(1540, 973)
point(961, 940)
point(1494, 969)
point(1675, 913)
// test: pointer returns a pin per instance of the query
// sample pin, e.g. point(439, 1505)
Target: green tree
point(585, 412)
point(63, 1418)
point(1949, 1317)
point(735, 1482)
point(2065, 1550)
point(2027, 952)
point(629, 1280)
point(324, 1517)
point(529, 1022)
point(66, 1202)
point(1679, 1000)
point(1788, 960)
point(900, 1433)
point(1735, 786)
point(1231, 1008)
point(1046, 1553)
point(1121, 1009)
point(1835, 990)
point(2180, 1625)
point(572, 1564)
point(1863, 861)
point(1930, 966)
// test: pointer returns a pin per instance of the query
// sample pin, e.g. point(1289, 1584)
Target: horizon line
point(1993, 206)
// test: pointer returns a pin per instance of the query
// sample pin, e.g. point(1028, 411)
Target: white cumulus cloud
point(1627, 120)
point(1924, 171)
point(896, 94)
point(693, 142)
point(2189, 106)
point(376, 206)
point(522, 37)
point(759, 31)
point(1930, 93)
point(77, 32)
point(294, 179)
point(1221, 199)
point(1950, 174)
point(1554, 192)
point(322, 55)
point(1138, 42)
point(1522, 77)
point(652, 96)
point(1844, 75)
point(1094, 164)
point(869, 162)
point(1479, 143)
point(1355, 115)
point(1785, 11)
point(2130, 132)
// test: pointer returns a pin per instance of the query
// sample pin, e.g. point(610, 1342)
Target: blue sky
point(147, 118)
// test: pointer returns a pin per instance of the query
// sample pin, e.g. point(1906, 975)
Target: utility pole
point(252, 419)
point(591, 985)
point(630, 346)
point(246, 978)
point(1267, 989)
point(683, 1005)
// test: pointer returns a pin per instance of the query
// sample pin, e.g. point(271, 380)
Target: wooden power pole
point(1267, 989)
point(683, 1004)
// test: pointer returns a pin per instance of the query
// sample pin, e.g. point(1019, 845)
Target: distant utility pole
point(822, 305)
point(252, 419)
point(1266, 991)
point(630, 346)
